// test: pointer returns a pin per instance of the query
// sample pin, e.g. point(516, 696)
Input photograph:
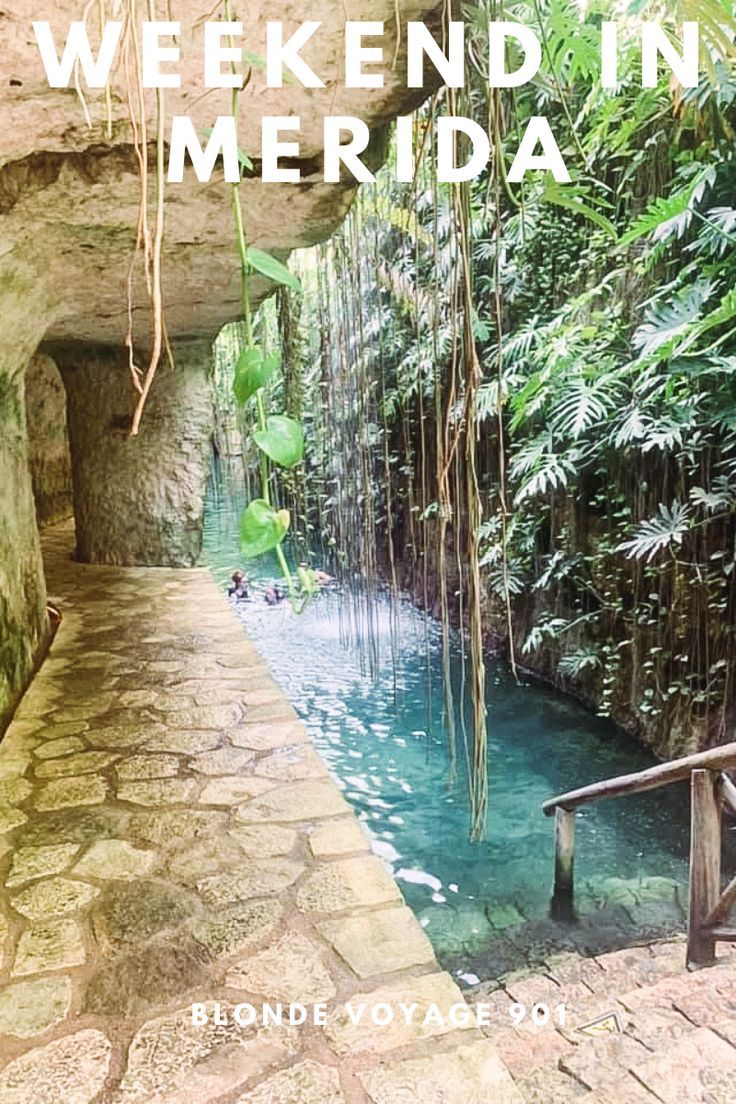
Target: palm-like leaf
point(668, 323)
point(665, 530)
point(584, 403)
point(671, 217)
point(542, 469)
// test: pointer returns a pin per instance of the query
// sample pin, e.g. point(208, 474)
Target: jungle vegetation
point(519, 401)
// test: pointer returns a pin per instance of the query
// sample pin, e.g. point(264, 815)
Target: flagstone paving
point(169, 837)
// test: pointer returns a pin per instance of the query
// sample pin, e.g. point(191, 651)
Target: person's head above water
point(238, 577)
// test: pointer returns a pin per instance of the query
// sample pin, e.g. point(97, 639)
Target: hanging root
point(156, 296)
point(77, 81)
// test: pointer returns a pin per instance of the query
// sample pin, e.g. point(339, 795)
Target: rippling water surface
point(483, 905)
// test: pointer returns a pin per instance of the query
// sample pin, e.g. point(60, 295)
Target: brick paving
point(639, 1029)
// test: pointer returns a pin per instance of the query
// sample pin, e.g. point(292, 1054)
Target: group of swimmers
point(274, 593)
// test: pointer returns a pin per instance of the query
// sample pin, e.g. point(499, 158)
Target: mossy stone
point(145, 977)
point(129, 913)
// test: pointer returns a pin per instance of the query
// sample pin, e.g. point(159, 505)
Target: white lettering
point(224, 139)
point(357, 55)
point(539, 132)
point(77, 48)
point(498, 33)
point(215, 55)
point(280, 54)
point(337, 153)
point(609, 55)
point(272, 149)
point(448, 171)
point(685, 66)
point(450, 66)
point(154, 54)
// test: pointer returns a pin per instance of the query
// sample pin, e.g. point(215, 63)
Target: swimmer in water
point(239, 589)
point(273, 595)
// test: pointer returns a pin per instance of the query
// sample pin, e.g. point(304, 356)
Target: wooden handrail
point(719, 758)
point(712, 793)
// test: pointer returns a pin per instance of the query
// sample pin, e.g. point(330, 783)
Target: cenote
point(485, 906)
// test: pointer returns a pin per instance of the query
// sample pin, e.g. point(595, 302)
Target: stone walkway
point(169, 836)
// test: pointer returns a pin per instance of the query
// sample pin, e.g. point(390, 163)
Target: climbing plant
point(278, 437)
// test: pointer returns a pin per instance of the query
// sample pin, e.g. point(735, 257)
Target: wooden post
point(728, 795)
point(705, 864)
point(562, 897)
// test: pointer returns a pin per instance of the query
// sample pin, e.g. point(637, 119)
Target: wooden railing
point(712, 791)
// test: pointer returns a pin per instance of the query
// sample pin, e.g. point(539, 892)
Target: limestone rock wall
point(138, 500)
point(24, 625)
point(48, 441)
point(73, 191)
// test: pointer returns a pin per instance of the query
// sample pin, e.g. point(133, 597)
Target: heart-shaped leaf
point(282, 440)
point(262, 528)
point(270, 267)
point(252, 372)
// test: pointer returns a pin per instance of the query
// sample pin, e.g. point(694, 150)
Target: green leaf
point(670, 217)
point(670, 325)
point(262, 528)
point(252, 372)
point(282, 440)
point(307, 580)
point(560, 198)
point(270, 267)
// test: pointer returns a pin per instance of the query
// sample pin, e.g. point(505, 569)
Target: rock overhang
point(69, 195)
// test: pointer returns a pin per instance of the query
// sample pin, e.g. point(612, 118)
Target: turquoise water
point(485, 906)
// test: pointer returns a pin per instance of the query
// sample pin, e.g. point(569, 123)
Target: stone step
point(640, 1029)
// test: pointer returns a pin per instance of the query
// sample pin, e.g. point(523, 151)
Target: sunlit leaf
point(245, 160)
point(271, 268)
point(567, 199)
point(252, 372)
point(665, 530)
point(262, 528)
point(670, 217)
point(282, 440)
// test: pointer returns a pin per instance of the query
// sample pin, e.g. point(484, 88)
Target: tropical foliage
point(520, 400)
